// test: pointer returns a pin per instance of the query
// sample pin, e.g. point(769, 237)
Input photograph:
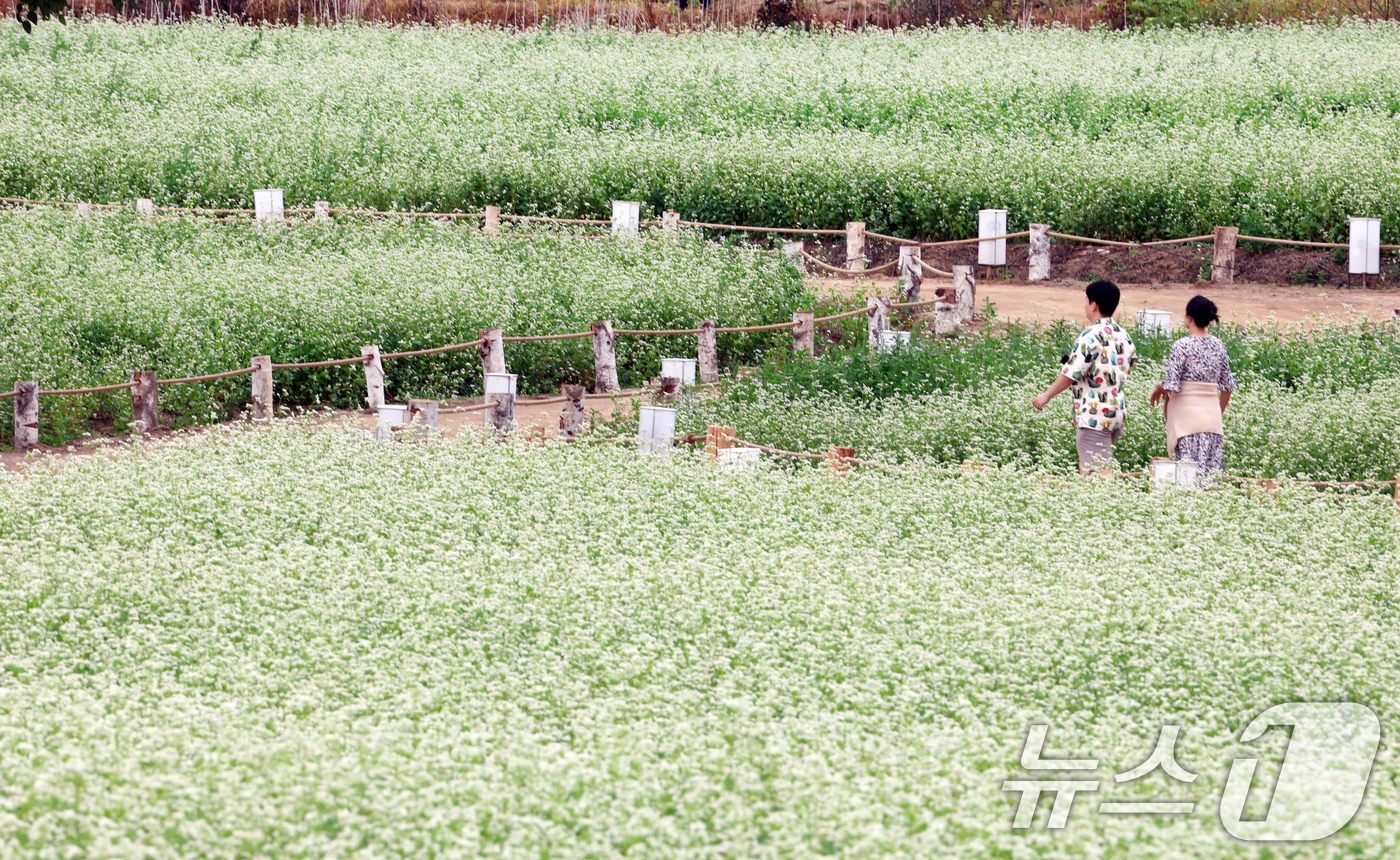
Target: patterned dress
point(1200, 359)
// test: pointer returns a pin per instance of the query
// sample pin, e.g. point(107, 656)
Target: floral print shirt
point(1198, 359)
point(1102, 358)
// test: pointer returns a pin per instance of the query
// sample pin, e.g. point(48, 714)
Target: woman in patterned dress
point(1197, 388)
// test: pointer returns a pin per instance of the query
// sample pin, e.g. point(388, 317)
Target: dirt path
point(1046, 301)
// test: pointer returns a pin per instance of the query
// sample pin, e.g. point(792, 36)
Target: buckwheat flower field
point(1282, 131)
point(287, 642)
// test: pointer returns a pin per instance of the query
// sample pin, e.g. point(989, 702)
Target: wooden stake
point(793, 251)
point(572, 414)
point(145, 402)
point(855, 245)
point(26, 415)
point(492, 352)
point(838, 459)
point(708, 353)
point(422, 417)
point(491, 222)
point(262, 387)
point(1040, 252)
point(322, 210)
point(1223, 272)
point(671, 224)
point(501, 417)
point(959, 302)
point(669, 390)
point(911, 272)
point(877, 319)
point(374, 377)
point(804, 334)
point(604, 358)
point(718, 438)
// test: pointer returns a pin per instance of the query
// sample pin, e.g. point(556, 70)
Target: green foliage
point(28, 12)
point(89, 300)
point(1119, 135)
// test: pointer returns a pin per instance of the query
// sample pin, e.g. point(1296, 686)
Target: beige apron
point(1193, 409)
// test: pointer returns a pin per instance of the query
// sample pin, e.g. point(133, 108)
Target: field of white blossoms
point(282, 642)
point(1282, 131)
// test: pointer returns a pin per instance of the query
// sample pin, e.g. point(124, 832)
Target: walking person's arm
point(1060, 384)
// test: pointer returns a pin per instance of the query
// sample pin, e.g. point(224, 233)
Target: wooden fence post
point(604, 358)
point(707, 353)
point(321, 210)
point(671, 224)
point(877, 318)
point(793, 251)
point(145, 402)
point(262, 387)
point(491, 221)
point(855, 245)
point(911, 272)
point(146, 207)
point(804, 334)
point(26, 415)
point(838, 459)
point(501, 417)
point(374, 377)
point(1040, 252)
point(718, 438)
point(669, 390)
point(1223, 271)
point(572, 414)
point(492, 351)
point(422, 417)
point(958, 306)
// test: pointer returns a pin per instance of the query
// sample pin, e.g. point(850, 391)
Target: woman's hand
point(1158, 393)
point(1224, 401)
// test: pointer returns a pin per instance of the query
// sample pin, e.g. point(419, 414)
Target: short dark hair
point(1104, 294)
point(1202, 311)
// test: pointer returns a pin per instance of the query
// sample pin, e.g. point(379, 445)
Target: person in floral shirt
point(1096, 369)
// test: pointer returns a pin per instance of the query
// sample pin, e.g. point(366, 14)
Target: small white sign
point(500, 383)
point(1154, 322)
point(891, 340)
point(991, 222)
point(387, 418)
point(656, 427)
point(734, 459)
point(679, 368)
point(1174, 473)
point(1364, 253)
point(626, 218)
point(267, 205)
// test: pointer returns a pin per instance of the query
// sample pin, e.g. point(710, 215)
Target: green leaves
point(28, 12)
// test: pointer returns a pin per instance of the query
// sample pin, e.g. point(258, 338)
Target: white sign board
point(1173, 473)
point(991, 222)
point(679, 368)
point(1364, 257)
point(655, 428)
point(267, 205)
point(626, 218)
point(734, 459)
point(891, 340)
point(500, 383)
point(1154, 322)
point(388, 417)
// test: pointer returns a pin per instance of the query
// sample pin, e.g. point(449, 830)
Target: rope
point(657, 333)
point(973, 241)
point(94, 390)
point(809, 258)
point(935, 272)
point(917, 304)
point(794, 230)
point(842, 316)
point(779, 451)
point(206, 378)
point(359, 359)
point(1071, 237)
point(773, 327)
point(435, 350)
point(539, 337)
point(597, 222)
